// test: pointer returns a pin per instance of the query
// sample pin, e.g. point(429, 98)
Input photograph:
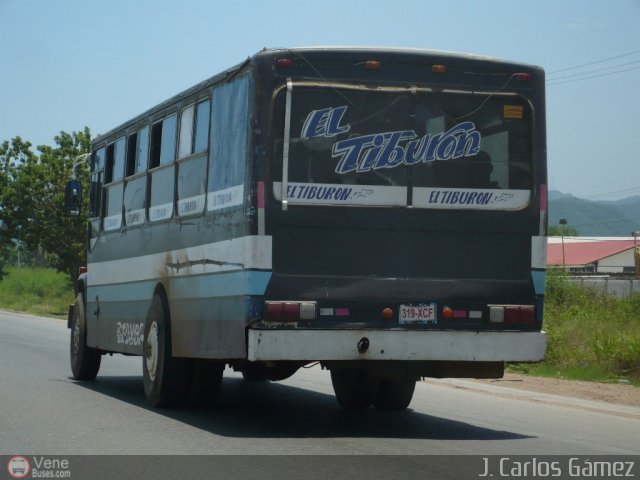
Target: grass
point(592, 336)
point(39, 291)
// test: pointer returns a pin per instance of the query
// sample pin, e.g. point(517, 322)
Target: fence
point(621, 288)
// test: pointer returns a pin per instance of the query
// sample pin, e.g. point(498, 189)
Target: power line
point(594, 62)
point(552, 83)
point(613, 192)
point(621, 220)
point(594, 71)
point(586, 75)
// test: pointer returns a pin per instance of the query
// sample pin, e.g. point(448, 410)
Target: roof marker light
point(523, 76)
point(284, 63)
point(438, 69)
point(372, 64)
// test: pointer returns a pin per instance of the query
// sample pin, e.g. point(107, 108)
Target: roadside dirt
point(600, 392)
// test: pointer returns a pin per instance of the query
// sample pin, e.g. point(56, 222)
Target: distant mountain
point(596, 218)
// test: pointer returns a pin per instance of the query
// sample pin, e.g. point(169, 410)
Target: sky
point(67, 64)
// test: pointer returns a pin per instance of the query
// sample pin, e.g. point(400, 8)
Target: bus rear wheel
point(85, 361)
point(206, 381)
point(394, 394)
point(166, 378)
point(353, 388)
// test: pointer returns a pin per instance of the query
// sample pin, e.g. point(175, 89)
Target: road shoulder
point(612, 399)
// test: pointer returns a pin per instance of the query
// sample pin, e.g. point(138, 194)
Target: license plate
point(424, 313)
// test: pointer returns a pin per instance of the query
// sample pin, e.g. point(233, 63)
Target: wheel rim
point(151, 351)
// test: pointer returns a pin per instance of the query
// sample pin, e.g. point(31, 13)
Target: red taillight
point(274, 310)
point(527, 315)
point(82, 270)
point(520, 314)
point(512, 314)
point(290, 311)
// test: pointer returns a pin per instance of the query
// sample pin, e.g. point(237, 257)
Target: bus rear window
point(421, 140)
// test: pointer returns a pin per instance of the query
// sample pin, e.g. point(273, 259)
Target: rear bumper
point(399, 345)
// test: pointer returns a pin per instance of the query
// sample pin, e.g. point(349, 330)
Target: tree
point(12, 154)
point(32, 198)
point(562, 231)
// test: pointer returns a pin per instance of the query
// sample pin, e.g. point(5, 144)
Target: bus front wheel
point(166, 378)
point(85, 361)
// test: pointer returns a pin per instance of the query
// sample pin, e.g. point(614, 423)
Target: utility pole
point(563, 222)
point(636, 252)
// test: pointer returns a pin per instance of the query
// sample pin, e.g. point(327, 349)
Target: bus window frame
point(289, 87)
point(160, 118)
point(193, 156)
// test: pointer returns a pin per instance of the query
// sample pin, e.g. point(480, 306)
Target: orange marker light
point(372, 64)
point(438, 69)
point(447, 312)
point(387, 313)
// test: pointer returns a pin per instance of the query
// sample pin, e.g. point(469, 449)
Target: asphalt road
point(42, 410)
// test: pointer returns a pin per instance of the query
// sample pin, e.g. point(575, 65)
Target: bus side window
point(95, 192)
point(97, 179)
point(135, 190)
point(135, 200)
point(186, 132)
point(132, 149)
point(163, 152)
point(201, 129)
point(194, 142)
point(118, 160)
point(113, 202)
point(142, 153)
point(229, 145)
point(115, 188)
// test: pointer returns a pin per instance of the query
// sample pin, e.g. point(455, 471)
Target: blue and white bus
point(380, 211)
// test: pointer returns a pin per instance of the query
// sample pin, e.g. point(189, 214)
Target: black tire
point(394, 394)
point(206, 380)
point(85, 361)
point(254, 372)
point(166, 378)
point(253, 377)
point(259, 372)
point(353, 388)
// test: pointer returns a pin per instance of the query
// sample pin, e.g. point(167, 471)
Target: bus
point(379, 211)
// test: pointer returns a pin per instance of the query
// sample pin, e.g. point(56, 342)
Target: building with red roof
point(592, 255)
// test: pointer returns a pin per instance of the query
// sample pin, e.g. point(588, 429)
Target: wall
point(612, 286)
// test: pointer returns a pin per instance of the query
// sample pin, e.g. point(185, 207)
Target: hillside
point(596, 218)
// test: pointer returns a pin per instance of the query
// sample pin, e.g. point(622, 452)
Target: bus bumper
point(399, 345)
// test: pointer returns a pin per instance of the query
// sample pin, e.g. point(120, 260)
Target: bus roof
point(315, 52)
